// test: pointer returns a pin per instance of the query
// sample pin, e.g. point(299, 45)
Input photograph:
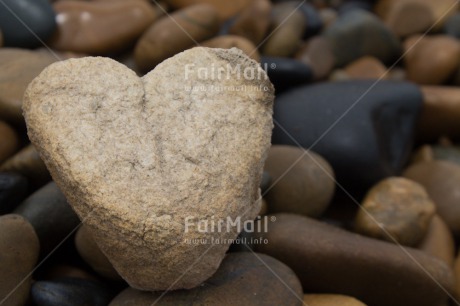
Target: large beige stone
point(136, 157)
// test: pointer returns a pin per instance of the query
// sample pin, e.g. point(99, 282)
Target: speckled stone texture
point(136, 156)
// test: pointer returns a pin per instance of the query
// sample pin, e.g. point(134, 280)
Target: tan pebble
point(225, 9)
point(317, 53)
point(100, 27)
point(440, 114)
point(423, 154)
point(367, 67)
point(398, 205)
point(290, 26)
point(440, 179)
point(9, 142)
point(439, 241)
point(304, 182)
point(431, 60)
point(233, 41)
point(18, 68)
point(253, 22)
point(28, 163)
point(90, 252)
point(19, 254)
point(176, 33)
point(330, 300)
point(406, 17)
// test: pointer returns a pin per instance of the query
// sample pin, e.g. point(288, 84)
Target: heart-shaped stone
point(152, 165)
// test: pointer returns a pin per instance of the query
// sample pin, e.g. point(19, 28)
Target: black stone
point(452, 26)
point(364, 129)
point(13, 189)
point(71, 292)
point(22, 21)
point(51, 216)
point(265, 182)
point(286, 73)
point(357, 33)
point(314, 21)
point(355, 4)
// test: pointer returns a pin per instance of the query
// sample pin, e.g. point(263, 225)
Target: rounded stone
point(26, 23)
point(28, 163)
point(439, 241)
point(176, 33)
point(233, 41)
point(286, 73)
point(9, 141)
point(100, 27)
point(51, 216)
point(397, 210)
point(431, 60)
point(318, 54)
point(13, 189)
point(19, 253)
point(447, 153)
point(440, 179)
point(225, 9)
point(242, 279)
point(367, 67)
point(358, 33)
point(71, 292)
point(452, 26)
point(406, 17)
point(329, 259)
point(17, 69)
point(303, 182)
point(330, 300)
point(92, 254)
point(253, 23)
point(440, 114)
point(290, 25)
point(457, 276)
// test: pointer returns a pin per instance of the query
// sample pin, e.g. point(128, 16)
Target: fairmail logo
point(216, 225)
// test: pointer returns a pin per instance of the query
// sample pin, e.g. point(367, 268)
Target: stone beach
point(244, 152)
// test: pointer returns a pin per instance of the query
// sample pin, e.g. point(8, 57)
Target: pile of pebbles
point(361, 186)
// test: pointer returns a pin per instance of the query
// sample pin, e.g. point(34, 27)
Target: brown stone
point(366, 67)
point(175, 33)
point(92, 254)
point(440, 179)
point(225, 9)
point(439, 242)
point(100, 27)
point(287, 28)
point(144, 181)
point(28, 163)
point(317, 54)
point(19, 249)
point(253, 22)
point(406, 17)
point(397, 210)
point(329, 259)
point(328, 16)
point(18, 68)
point(303, 183)
point(423, 154)
point(457, 276)
point(233, 41)
point(431, 60)
point(9, 142)
point(330, 300)
point(440, 114)
point(242, 279)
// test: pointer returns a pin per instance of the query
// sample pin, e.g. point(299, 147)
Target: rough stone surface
point(90, 252)
point(329, 259)
point(242, 279)
point(100, 27)
point(303, 183)
point(233, 41)
point(135, 157)
point(402, 207)
point(19, 253)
